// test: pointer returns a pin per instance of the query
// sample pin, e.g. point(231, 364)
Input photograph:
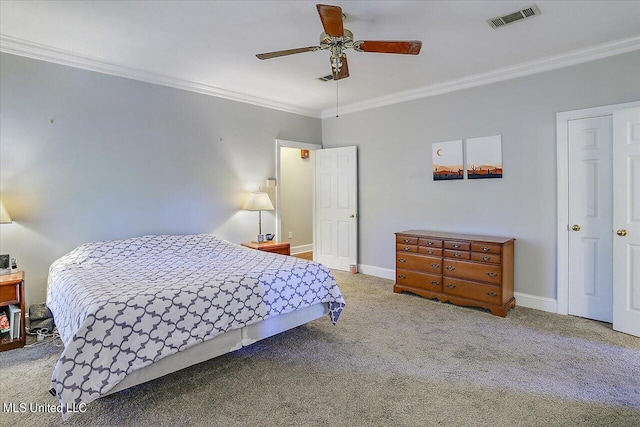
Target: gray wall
point(124, 158)
point(396, 189)
point(296, 196)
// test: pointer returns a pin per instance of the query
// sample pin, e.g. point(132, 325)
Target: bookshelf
point(12, 293)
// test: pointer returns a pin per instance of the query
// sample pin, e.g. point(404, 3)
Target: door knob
point(352, 216)
point(621, 232)
point(575, 227)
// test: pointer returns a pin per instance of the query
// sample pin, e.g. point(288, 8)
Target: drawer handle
point(450, 286)
point(456, 245)
point(492, 294)
point(407, 240)
point(402, 276)
point(434, 265)
point(450, 268)
point(492, 274)
point(486, 249)
point(402, 260)
point(430, 243)
point(435, 283)
point(486, 258)
point(406, 248)
point(457, 254)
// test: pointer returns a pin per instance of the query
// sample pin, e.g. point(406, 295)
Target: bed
point(132, 310)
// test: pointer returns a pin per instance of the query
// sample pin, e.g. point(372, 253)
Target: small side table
point(283, 248)
point(12, 292)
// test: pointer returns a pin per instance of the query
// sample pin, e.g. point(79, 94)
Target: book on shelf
point(15, 315)
point(5, 326)
point(10, 322)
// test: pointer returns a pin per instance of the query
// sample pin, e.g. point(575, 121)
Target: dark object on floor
point(40, 317)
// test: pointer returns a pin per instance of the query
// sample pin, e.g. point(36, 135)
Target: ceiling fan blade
point(270, 55)
point(331, 17)
point(344, 70)
point(407, 47)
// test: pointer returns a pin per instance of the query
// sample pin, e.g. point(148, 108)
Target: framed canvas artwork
point(484, 157)
point(447, 160)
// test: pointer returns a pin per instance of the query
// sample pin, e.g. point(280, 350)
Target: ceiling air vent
point(501, 21)
point(326, 78)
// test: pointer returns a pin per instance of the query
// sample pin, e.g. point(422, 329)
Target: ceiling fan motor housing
point(346, 40)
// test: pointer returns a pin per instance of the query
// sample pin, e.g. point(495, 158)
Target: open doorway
point(295, 170)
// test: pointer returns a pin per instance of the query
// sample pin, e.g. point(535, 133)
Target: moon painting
point(447, 160)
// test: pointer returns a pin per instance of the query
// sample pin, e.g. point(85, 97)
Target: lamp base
point(260, 239)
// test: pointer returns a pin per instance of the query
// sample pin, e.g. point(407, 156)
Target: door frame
point(303, 146)
point(562, 192)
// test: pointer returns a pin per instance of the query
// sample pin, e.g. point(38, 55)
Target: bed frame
point(221, 344)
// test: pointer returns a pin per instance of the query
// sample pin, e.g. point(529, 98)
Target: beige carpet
point(392, 360)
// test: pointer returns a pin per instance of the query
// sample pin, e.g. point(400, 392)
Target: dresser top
point(11, 279)
point(455, 236)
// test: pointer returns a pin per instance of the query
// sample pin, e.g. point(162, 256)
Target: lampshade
point(258, 201)
point(4, 215)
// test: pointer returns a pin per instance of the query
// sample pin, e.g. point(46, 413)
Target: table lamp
point(4, 215)
point(258, 201)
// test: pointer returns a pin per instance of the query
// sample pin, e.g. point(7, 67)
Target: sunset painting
point(447, 160)
point(484, 157)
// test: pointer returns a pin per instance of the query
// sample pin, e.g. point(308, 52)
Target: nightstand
point(12, 292)
point(282, 248)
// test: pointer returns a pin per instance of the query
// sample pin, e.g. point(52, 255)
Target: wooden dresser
point(463, 269)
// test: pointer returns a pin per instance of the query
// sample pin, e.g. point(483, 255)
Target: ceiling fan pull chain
point(337, 98)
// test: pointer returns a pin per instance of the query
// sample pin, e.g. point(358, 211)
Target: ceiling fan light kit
point(337, 39)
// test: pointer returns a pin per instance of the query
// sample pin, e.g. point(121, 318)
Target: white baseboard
point(384, 273)
point(539, 303)
point(523, 300)
point(301, 249)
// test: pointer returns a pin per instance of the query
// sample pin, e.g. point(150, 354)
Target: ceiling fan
point(337, 39)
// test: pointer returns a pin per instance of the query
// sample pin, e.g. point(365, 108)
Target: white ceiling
point(210, 46)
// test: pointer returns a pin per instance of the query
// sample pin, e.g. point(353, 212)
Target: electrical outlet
point(291, 234)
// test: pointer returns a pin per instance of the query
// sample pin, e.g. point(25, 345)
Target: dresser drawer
point(450, 253)
point(460, 246)
point(430, 282)
point(475, 256)
point(405, 247)
point(406, 240)
point(9, 294)
point(430, 243)
point(473, 270)
point(486, 248)
point(430, 251)
point(282, 251)
point(472, 290)
point(418, 262)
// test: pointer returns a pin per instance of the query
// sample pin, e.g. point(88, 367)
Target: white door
point(336, 194)
point(626, 221)
point(590, 218)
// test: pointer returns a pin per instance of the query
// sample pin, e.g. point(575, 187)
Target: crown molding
point(20, 47)
point(15, 46)
point(524, 69)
